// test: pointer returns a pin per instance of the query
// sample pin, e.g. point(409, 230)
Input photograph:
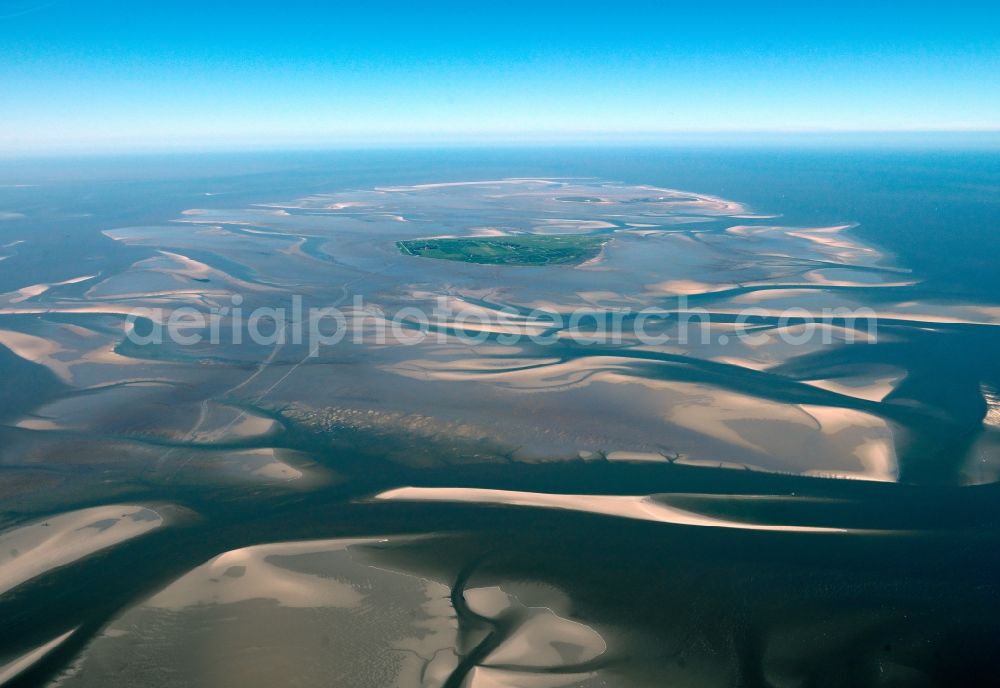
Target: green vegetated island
point(519, 249)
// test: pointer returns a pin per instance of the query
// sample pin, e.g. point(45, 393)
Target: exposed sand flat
point(721, 414)
point(944, 313)
point(278, 471)
point(808, 434)
point(594, 194)
point(213, 222)
point(764, 431)
point(664, 225)
point(218, 423)
point(826, 236)
point(25, 293)
point(845, 277)
point(807, 233)
point(487, 677)
point(31, 550)
point(401, 329)
point(623, 455)
point(65, 349)
point(341, 205)
point(548, 375)
point(37, 424)
point(474, 318)
point(644, 508)
point(34, 290)
point(871, 389)
point(874, 448)
point(742, 362)
point(16, 666)
point(449, 185)
point(595, 263)
point(488, 602)
point(308, 611)
point(500, 351)
point(321, 202)
point(252, 573)
point(487, 365)
point(761, 432)
point(570, 226)
point(103, 308)
point(469, 309)
point(788, 340)
point(956, 315)
point(602, 299)
point(486, 232)
point(992, 399)
point(254, 467)
point(832, 243)
point(702, 201)
point(764, 295)
point(175, 270)
point(685, 287)
point(37, 350)
point(114, 408)
point(548, 641)
point(878, 460)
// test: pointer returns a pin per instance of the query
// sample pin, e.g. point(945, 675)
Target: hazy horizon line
point(917, 137)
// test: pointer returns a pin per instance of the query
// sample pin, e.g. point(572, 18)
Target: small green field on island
point(521, 249)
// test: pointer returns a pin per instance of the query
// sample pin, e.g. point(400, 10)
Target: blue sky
point(151, 75)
